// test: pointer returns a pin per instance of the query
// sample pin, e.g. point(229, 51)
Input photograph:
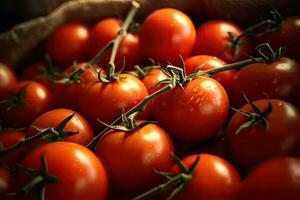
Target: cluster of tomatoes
point(110, 128)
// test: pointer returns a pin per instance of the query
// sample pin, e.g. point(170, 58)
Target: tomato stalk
point(52, 134)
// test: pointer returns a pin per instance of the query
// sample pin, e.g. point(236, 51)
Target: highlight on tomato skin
point(8, 79)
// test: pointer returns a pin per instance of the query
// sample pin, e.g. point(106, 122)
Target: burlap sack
point(18, 43)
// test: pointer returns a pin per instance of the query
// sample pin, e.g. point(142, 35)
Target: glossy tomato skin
point(8, 79)
point(37, 99)
point(213, 178)
point(166, 34)
point(81, 174)
point(274, 180)
point(277, 80)
point(78, 124)
point(285, 36)
point(105, 31)
point(7, 183)
point(66, 95)
point(212, 38)
point(211, 62)
point(9, 139)
point(131, 157)
point(255, 144)
point(193, 113)
point(68, 43)
point(106, 101)
point(152, 78)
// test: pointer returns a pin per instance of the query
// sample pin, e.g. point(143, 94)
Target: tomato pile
point(164, 110)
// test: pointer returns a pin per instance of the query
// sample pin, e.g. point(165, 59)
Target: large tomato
point(213, 38)
point(129, 50)
point(131, 157)
point(8, 78)
point(81, 174)
point(7, 183)
point(256, 144)
point(28, 101)
point(68, 43)
point(77, 124)
point(213, 178)
point(273, 180)
point(166, 34)
point(194, 112)
point(106, 101)
point(277, 80)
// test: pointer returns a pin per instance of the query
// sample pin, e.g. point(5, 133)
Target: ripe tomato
point(166, 34)
point(256, 144)
point(211, 62)
point(213, 178)
point(194, 112)
point(129, 50)
point(81, 174)
point(286, 35)
point(8, 79)
point(279, 80)
point(8, 139)
point(20, 112)
point(7, 183)
point(274, 180)
point(131, 157)
point(66, 94)
point(106, 101)
point(78, 124)
point(153, 77)
point(213, 37)
point(68, 43)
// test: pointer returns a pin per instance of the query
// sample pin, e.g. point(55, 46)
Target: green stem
point(116, 42)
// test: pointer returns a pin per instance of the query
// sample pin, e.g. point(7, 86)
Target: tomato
point(210, 62)
point(213, 178)
point(7, 182)
point(106, 101)
point(213, 38)
point(274, 180)
point(279, 80)
point(286, 35)
point(256, 144)
point(68, 43)
point(66, 94)
point(194, 112)
point(8, 139)
point(7, 78)
point(153, 77)
point(20, 112)
point(131, 157)
point(78, 124)
point(129, 50)
point(166, 34)
point(81, 174)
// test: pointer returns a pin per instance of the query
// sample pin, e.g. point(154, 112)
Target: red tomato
point(256, 144)
point(106, 101)
point(213, 178)
point(131, 157)
point(166, 34)
point(7, 183)
point(153, 77)
point(194, 112)
point(78, 124)
point(273, 180)
point(286, 35)
point(279, 80)
point(211, 62)
point(20, 113)
point(9, 139)
point(68, 43)
point(7, 79)
point(213, 37)
point(129, 50)
point(66, 95)
point(81, 174)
